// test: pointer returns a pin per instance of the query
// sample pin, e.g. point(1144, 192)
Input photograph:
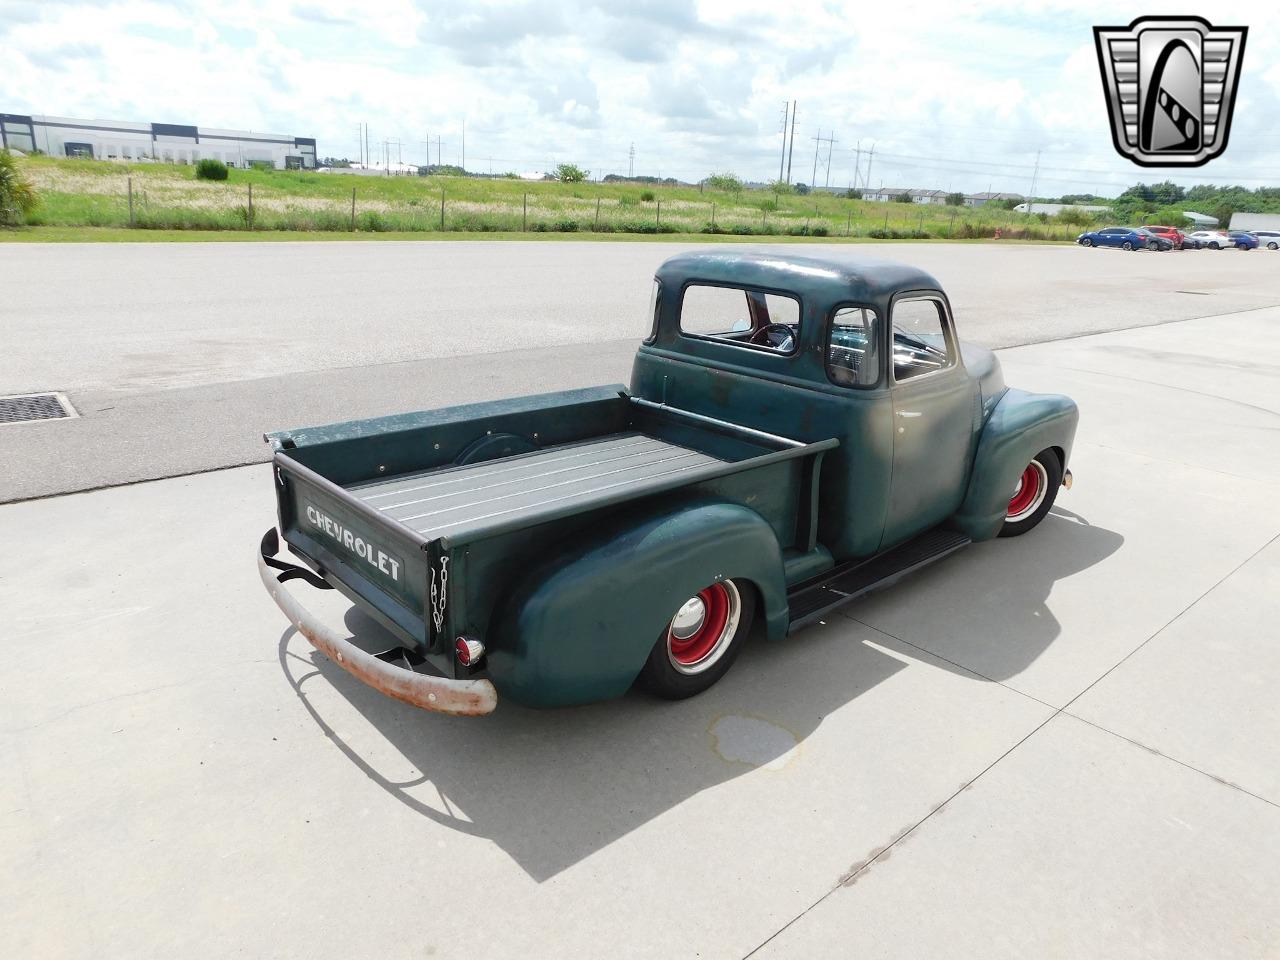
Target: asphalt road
point(178, 357)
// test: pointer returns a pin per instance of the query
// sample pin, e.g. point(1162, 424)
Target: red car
point(1172, 234)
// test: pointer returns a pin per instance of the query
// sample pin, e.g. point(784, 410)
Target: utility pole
point(816, 141)
point(1031, 200)
point(439, 155)
point(367, 156)
point(857, 165)
point(464, 145)
point(831, 144)
point(786, 107)
point(791, 147)
point(870, 160)
point(360, 142)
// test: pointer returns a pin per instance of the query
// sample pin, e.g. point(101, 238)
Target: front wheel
point(1034, 494)
point(1152, 245)
point(1086, 242)
point(1215, 246)
point(1128, 245)
point(1273, 245)
point(701, 641)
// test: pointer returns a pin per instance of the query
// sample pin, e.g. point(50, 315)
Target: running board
point(815, 598)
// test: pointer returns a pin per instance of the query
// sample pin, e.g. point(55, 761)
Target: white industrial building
point(1254, 221)
point(160, 142)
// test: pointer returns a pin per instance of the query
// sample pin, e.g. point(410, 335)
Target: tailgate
point(365, 555)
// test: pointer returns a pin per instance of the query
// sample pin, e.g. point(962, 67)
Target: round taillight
point(468, 651)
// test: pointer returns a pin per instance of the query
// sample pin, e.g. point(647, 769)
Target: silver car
point(1213, 239)
point(1268, 238)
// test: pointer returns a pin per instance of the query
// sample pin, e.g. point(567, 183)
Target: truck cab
point(860, 350)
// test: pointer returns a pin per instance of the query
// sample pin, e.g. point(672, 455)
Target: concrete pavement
point(1055, 746)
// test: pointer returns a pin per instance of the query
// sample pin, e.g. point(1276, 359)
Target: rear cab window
point(744, 317)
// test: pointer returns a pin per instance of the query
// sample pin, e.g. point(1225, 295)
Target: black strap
point(291, 571)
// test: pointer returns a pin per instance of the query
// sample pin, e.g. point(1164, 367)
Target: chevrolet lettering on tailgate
point(385, 562)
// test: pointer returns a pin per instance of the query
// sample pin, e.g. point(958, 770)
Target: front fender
point(1021, 425)
point(580, 627)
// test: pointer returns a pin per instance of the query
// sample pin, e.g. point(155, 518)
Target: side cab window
point(853, 347)
point(922, 340)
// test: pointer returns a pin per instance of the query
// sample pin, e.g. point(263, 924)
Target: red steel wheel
point(1034, 494)
point(703, 627)
point(1029, 493)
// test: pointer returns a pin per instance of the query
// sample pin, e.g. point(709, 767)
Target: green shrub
point(743, 230)
point(18, 197)
point(728, 182)
point(819, 230)
point(647, 196)
point(570, 173)
point(565, 225)
point(210, 169)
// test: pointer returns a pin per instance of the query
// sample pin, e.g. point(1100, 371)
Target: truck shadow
point(986, 609)
point(551, 787)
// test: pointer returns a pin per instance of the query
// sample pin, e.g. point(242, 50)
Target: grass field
point(78, 194)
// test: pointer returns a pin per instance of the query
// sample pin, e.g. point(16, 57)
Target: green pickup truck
point(797, 431)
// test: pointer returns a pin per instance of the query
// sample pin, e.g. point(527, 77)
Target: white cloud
point(953, 95)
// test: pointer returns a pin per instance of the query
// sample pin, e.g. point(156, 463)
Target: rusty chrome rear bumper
point(464, 698)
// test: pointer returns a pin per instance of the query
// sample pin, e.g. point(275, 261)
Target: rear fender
point(580, 627)
point(1021, 425)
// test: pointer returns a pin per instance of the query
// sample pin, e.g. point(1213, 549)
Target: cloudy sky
point(953, 95)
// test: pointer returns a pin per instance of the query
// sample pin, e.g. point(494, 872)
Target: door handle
point(909, 414)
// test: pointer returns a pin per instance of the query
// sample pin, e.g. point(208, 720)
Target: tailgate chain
point(439, 597)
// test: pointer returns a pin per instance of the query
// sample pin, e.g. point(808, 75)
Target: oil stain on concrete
point(754, 741)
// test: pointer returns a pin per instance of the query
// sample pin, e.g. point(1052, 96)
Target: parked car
point(1172, 234)
point(1154, 241)
point(1268, 238)
point(1126, 238)
point(798, 431)
point(1211, 239)
point(1243, 241)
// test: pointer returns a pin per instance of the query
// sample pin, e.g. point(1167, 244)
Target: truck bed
point(442, 501)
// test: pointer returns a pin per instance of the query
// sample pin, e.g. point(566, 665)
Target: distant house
point(886, 194)
point(982, 199)
point(928, 196)
point(1055, 208)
